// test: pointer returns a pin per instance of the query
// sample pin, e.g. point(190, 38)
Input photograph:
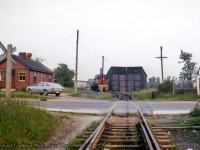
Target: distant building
point(81, 84)
point(25, 71)
point(125, 79)
point(90, 82)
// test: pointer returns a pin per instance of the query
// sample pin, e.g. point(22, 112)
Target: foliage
point(21, 123)
point(39, 59)
point(166, 86)
point(153, 82)
point(20, 94)
point(144, 94)
point(79, 90)
point(147, 95)
point(64, 75)
point(188, 66)
point(194, 121)
point(68, 90)
point(196, 112)
point(176, 97)
point(105, 95)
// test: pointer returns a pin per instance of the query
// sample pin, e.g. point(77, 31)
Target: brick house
point(25, 72)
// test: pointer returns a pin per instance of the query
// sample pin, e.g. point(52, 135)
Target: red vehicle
point(100, 83)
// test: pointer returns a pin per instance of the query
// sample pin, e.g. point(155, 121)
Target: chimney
point(20, 54)
point(29, 55)
point(24, 54)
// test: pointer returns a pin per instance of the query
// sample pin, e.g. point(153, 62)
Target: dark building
point(126, 79)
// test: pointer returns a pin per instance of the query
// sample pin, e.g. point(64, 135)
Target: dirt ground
point(185, 139)
point(69, 126)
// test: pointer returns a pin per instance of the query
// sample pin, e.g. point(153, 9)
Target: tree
point(154, 82)
point(166, 86)
point(39, 59)
point(188, 66)
point(63, 75)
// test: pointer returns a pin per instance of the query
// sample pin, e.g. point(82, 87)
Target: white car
point(46, 88)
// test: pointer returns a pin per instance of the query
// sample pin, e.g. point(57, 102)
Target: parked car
point(46, 88)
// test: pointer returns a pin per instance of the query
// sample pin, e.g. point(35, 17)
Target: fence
point(185, 86)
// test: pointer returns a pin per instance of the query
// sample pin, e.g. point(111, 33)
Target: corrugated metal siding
point(125, 79)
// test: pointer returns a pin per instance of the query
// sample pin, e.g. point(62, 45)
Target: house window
point(34, 77)
point(2, 75)
point(22, 75)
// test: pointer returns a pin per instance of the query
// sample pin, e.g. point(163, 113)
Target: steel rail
point(89, 143)
point(146, 136)
point(177, 127)
point(154, 144)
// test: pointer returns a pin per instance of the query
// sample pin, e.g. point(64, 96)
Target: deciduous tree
point(63, 75)
point(154, 82)
point(188, 66)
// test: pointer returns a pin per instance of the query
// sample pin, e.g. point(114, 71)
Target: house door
point(13, 79)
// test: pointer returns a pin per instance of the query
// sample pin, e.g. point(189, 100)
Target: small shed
point(126, 79)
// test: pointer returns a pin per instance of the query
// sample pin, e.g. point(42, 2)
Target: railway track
point(127, 132)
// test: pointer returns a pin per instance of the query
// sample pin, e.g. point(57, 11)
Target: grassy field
point(79, 90)
point(22, 94)
point(144, 95)
point(21, 123)
point(147, 95)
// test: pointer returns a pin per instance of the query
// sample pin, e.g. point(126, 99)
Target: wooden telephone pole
point(161, 59)
point(76, 69)
point(8, 55)
point(197, 80)
point(8, 71)
point(102, 71)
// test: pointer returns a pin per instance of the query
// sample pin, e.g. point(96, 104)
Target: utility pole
point(161, 59)
point(197, 78)
point(102, 70)
point(76, 69)
point(8, 71)
point(102, 67)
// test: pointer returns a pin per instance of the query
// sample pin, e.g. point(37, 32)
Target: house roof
point(32, 65)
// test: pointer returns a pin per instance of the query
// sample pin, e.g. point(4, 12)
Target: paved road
point(102, 106)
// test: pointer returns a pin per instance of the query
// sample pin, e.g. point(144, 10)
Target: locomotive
point(100, 83)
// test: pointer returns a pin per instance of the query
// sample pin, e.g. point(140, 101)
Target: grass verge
point(21, 94)
point(193, 120)
point(21, 123)
point(79, 90)
point(106, 95)
point(147, 95)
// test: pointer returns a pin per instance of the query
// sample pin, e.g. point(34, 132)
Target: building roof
point(118, 70)
point(32, 65)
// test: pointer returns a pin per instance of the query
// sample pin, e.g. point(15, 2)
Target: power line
point(86, 52)
point(109, 61)
point(66, 49)
point(49, 45)
point(85, 43)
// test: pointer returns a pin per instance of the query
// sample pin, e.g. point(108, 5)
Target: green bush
point(196, 112)
point(166, 86)
point(144, 94)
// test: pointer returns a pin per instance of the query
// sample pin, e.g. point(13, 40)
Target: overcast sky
point(126, 32)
